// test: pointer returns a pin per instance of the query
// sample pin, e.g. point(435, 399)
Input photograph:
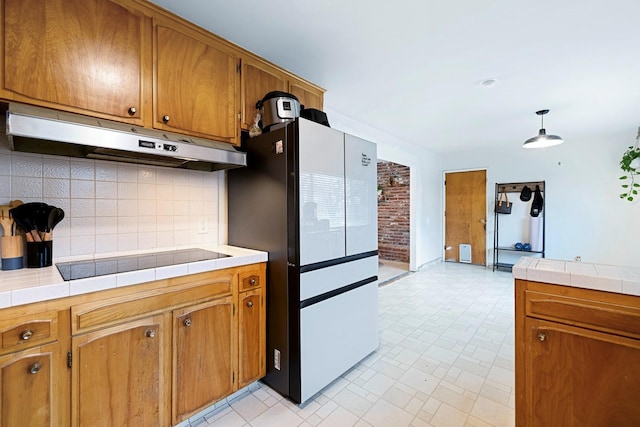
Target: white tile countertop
point(29, 285)
point(600, 277)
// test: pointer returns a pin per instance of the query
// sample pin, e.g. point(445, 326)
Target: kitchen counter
point(30, 285)
point(599, 277)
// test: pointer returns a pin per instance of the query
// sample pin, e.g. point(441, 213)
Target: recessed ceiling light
point(488, 82)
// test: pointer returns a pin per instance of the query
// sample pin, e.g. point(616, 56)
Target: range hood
point(40, 130)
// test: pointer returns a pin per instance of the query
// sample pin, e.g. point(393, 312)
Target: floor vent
point(465, 253)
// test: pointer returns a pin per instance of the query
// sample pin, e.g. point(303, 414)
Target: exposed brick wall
point(393, 212)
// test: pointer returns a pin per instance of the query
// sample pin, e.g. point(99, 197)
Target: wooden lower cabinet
point(119, 375)
point(577, 357)
point(151, 354)
point(252, 330)
point(28, 388)
point(578, 377)
point(34, 378)
point(204, 353)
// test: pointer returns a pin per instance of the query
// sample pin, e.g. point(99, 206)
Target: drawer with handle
point(28, 331)
point(250, 280)
point(591, 313)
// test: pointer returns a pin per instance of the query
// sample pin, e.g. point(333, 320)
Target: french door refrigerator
point(308, 197)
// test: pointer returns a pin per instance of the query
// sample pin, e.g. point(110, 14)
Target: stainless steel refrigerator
point(308, 197)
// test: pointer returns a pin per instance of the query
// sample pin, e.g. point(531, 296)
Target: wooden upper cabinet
point(196, 85)
point(258, 79)
point(310, 96)
point(84, 56)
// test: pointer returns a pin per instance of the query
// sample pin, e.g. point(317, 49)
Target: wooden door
point(580, 378)
point(258, 79)
point(119, 376)
point(27, 388)
point(88, 55)
point(203, 356)
point(308, 95)
point(197, 86)
point(465, 214)
point(251, 336)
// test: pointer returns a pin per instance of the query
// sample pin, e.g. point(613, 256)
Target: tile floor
point(390, 271)
point(445, 359)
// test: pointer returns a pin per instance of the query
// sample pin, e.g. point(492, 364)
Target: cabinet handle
point(132, 111)
point(249, 303)
point(151, 333)
point(35, 368)
point(26, 335)
point(165, 118)
point(187, 322)
point(252, 282)
point(542, 336)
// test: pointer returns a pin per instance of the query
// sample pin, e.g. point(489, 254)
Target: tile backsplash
point(112, 206)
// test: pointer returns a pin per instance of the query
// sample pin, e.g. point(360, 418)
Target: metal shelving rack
point(515, 187)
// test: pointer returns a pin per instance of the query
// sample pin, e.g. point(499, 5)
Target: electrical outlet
point(203, 225)
point(276, 358)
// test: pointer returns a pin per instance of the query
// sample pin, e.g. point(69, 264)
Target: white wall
point(426, 186)
point(584, 215)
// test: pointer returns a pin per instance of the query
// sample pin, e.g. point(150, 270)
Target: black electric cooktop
point(99, 267)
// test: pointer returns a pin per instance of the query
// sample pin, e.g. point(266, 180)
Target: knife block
point(12, 250)
point(39, 254)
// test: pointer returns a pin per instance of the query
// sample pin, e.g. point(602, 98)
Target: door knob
point(187, 322)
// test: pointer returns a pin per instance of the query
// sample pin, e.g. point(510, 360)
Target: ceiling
point(414, 69)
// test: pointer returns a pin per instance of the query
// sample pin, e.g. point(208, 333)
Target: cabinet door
point(196, 86)
point(251, 336)
point(85, 55)
point(27, 383)
point(308, 95)
point(203, 356)
point(578, 377)
point(119, 376)
point(258, 79)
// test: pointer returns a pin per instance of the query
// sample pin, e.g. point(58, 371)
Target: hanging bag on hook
point(536, 205)
point(503, 206)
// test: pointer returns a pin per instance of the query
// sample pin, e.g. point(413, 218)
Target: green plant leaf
point(635, 192)
point(624, 177)
point(630, 198)
point(625, 186)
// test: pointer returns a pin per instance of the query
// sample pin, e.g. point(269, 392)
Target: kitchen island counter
point(577, 329)
point(599, 277)
point(30, 285)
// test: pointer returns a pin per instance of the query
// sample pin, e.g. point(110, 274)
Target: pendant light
point(542, 139)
